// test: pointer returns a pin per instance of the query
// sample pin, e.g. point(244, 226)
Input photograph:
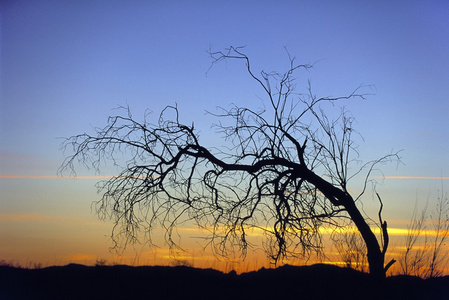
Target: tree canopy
point(283, 169)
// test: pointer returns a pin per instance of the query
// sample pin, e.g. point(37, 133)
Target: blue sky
point(66, 64)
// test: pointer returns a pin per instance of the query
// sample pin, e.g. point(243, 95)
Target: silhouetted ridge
point(183, 283)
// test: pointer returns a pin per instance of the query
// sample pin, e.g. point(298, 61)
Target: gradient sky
point(66, 64)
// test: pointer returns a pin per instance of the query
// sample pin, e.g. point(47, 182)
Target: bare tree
point(350, 248)
point(283, 170)
point(441, 227)
point(424, 244)
point(414, 258)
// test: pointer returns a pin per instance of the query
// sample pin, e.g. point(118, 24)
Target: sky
point(66, 65)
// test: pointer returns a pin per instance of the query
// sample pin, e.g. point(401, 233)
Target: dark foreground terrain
point(287, 282)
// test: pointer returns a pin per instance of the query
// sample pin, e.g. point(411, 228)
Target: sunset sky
point(65, 66)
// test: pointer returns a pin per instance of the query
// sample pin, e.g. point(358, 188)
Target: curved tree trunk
point(338, 197)
point(376, 257)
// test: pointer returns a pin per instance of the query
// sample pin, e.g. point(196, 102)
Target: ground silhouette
point(162, 282)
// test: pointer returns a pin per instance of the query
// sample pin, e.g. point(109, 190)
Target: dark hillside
point(184, 283)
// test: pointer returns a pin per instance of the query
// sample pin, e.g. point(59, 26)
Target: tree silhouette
point(283, 170)
point(427, 260)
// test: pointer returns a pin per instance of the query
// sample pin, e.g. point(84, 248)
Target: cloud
point(53, 177)
point(259, 232)
point(414, 177)
point(27, 217)
point(44, 218)
point(6, 176)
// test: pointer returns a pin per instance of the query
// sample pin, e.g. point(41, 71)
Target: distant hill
point(287, 282)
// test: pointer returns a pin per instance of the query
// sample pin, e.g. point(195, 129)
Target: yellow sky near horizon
point(68, 231)
point(59, 240)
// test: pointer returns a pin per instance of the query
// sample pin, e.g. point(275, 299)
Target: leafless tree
point(424, 244)
point(350, 247)
point(414, 258)
point(424, 254)
point(441, 227)
point(283, 170)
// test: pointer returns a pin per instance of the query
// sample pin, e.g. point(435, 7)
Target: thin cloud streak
point(110, 176)
point(44, 218)
point(259, 232)
point(413, 177)
point(54, 177)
